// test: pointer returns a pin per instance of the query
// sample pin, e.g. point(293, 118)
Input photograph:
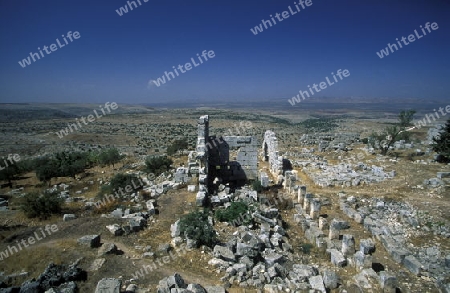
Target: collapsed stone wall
point(330, 141)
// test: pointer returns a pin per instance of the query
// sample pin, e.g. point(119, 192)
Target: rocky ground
point(361, 223)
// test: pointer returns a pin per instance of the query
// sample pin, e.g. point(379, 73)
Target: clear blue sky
point(116, 56)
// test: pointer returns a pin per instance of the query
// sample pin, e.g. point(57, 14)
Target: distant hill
point(36, 111)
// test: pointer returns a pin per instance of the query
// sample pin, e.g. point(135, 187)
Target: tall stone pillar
point(315, 208)
point(334, 230)
point(348, 245)
point(301, 194)
point(307, 201)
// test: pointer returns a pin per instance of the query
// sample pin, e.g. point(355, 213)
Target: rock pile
point(345, 174)
point(55, 278)
point(393, 223)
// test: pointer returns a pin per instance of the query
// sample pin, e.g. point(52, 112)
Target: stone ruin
point(270, 153)
point(222, 160)
point(330, 141)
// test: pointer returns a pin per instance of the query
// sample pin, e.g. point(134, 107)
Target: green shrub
point(109, 157)
point(314, 125)
point(196, 226)
point(235, 213)
point(306, 248)
point(119, 183)
point(441, 143)
point(257, 186)
point(157, 165)
point(41, 206)
point(179, 144)
point(61, 165)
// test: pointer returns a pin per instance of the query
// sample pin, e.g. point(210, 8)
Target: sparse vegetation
point(61, 165)
point(179, 144)
point(236, 211)
point(11, 172)
point(109, 157)
point(257, 186)
point(157, 164)
point(306, 248)
point(42, 206)
point(119, 185)
point(385, 139)
point(441, 144)
point(314, 125)
point(196, 226)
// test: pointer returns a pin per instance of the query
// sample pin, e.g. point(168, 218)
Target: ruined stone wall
point(202, 158)
point(270, 153)
point(247, 153)
point(213, 155)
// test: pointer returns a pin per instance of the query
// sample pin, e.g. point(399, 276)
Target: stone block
point(348, 245)
point(91, 241)
point(69, 217)
point(388, 282)
point(412, 264)
point(115, 229)
point(224, 253)
point(362, 261)
point(337, 258)
point(339, 224)
point(108, 285)
point(272, 258)
point(330, 279)
point(367, 246)
point(200, 199)
point(316, 283)
point(175, 229)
